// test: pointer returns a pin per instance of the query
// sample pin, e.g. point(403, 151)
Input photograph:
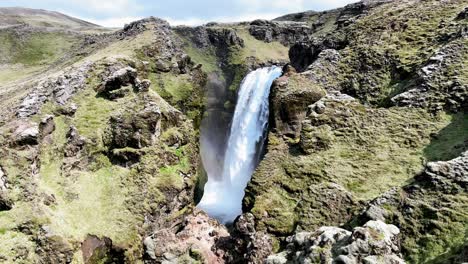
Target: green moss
point(451, 141)
point(261, 50)
point(279, 206)
point(206, 58)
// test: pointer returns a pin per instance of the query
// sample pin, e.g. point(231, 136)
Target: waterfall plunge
point(223, 193)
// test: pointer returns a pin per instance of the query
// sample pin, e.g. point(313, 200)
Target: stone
point(143, 85)
point(116, 79)
point(59, 90)
point(26, 133)
point(289, 100)
point(46, 126)
point(374, 240)
point(149, 247)
point(75, 142)
point(97, 250)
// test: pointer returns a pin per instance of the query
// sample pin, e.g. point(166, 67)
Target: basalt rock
point(75, 142)
point(5, 202)
point(58, 90)
point(195, 240)
point(135, 131)
point(47, 126)
point(112, 84)
point(375, 242)
point(439, 86)
point(25, 133)
point(287, 33)
point(100, 250)
point(289, 98)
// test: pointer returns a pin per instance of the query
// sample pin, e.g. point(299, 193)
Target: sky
point(115, 13)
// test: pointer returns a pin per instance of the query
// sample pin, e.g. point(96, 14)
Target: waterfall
point(223, 193)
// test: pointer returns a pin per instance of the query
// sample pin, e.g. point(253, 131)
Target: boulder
point(290, 96)
point(135, 130)
point(116, 79)
point(46, 126)
point(75, 142)
point(373, 241)
point(5, 202)
point(100, 250)
point(143, 85)
point(25, 133)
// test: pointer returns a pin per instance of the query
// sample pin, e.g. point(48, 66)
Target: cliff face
point(100, 138)
point(395, 76)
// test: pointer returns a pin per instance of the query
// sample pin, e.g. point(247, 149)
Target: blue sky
point(189, 12)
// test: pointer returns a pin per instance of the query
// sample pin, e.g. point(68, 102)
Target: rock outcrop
point(58, 90)
point(289, 98)
point(375, 242)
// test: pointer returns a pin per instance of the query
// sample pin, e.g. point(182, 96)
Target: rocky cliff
point(102, 133)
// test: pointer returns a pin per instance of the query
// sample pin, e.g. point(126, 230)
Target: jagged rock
point(286, 33)
point(100, 250)
point(303, 54)
point(198, 234)
point(143, 86)
point(162, 65)
point(25, 133)
point(375, 240)
point(47, 126)
point(290, 96)
point(75, 142)
point(68, 110)
point(438, 85)
point(135, 130)
point(5, 202)
point(116, 79)
point(150, 247)
point(59, 90)
point(53, 248)
point(448, 176)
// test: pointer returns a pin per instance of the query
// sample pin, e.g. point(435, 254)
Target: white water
point(223, 194)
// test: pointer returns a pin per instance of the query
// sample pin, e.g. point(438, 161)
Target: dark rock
point(68, 110)
point(290, 96)
point(5, 202)
point(463, 14)
point(54, 249)
point(303, 54)
point(375, 240)
point(75, 142)
point(116, 79)
point(136, 130)
point(59, 90)
point(47, 126)
point(100, 250)
point(162, 65)
point(287, 33)
point(447, 176)
point(143, 85)
point(25, 133)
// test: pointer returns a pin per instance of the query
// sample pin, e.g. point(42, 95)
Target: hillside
point(106, 137)
point(15, 16)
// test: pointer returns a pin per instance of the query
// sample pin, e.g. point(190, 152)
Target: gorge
point(156, 143)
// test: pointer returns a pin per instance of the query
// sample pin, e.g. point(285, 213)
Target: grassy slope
point(100, 198)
